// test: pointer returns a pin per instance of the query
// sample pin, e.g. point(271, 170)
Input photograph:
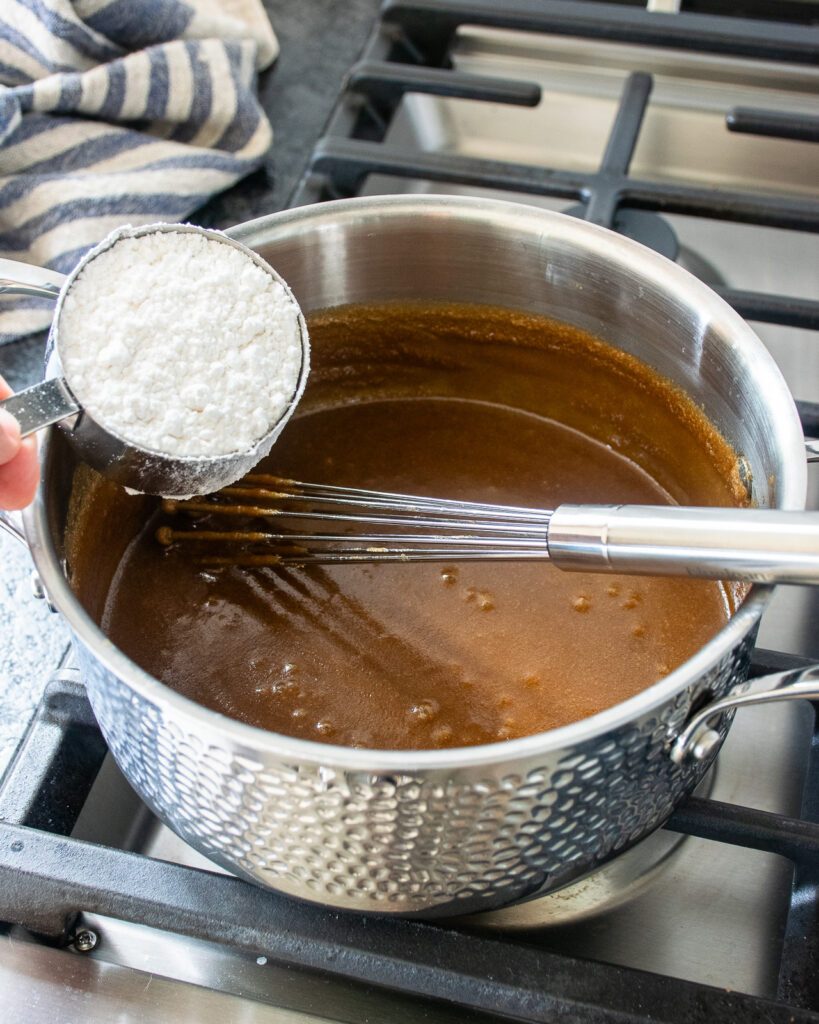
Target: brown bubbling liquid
point(458, 402)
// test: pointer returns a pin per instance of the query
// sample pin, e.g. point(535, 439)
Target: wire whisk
point(419, 529)
point(290, 523)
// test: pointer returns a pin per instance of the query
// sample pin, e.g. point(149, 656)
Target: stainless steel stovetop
point(692, 909)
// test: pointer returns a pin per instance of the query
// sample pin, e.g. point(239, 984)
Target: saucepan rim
point(255, 741)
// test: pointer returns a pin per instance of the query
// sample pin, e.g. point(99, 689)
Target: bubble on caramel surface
point(424, 710)
point(449, 576)
point(581, 603)
point(612, 590)
point(481, 598)
point(633, 599)
point(442, 734)
point(283, 688)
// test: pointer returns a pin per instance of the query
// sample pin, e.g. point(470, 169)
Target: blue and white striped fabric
point(119, 112)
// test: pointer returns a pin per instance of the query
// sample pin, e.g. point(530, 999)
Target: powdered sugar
point(180, 344)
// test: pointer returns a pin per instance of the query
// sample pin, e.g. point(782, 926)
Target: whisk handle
point(752, 545)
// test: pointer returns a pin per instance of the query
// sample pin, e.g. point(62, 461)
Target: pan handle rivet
point(85, 940)
point(704, 743)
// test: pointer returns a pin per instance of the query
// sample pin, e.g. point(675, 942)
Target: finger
point(9, 437)
point(5, 390)
point(18, 478)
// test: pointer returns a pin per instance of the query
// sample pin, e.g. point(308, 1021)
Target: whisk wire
point(298, 489)
point(283, 522)
point(418, 528)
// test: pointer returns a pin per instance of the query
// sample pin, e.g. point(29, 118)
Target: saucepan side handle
point(24, 279)
point(12, 523)
point(698, 739)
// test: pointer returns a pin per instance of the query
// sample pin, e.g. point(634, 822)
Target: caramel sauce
point(458, 402)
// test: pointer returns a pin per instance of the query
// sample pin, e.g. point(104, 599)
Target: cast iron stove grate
point(408, 52)
point(47, 878)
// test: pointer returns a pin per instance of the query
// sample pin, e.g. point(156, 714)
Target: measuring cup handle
point(23, 279)
point(41, 405)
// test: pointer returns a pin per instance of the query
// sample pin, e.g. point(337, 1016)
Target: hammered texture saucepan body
point(435, 833)
point(446, 841)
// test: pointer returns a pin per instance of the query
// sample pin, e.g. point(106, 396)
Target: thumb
point(9, 437)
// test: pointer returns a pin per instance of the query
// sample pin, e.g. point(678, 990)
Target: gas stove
point(695, 132)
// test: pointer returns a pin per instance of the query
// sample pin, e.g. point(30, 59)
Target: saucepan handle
point(23, 279)
point(812, 448)
point(698, 739)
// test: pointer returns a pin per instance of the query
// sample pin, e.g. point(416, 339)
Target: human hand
point(19, 465)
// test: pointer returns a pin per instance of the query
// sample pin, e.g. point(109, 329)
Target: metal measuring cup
point(52, 401)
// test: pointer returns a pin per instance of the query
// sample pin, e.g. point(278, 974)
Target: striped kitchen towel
point(119, 112)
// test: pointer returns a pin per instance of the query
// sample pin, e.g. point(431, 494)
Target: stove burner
point(619, 881)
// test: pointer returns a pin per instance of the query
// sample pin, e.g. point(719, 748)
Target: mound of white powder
point(180, 344)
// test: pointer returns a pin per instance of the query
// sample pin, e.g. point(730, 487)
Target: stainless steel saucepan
point(430, 832)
